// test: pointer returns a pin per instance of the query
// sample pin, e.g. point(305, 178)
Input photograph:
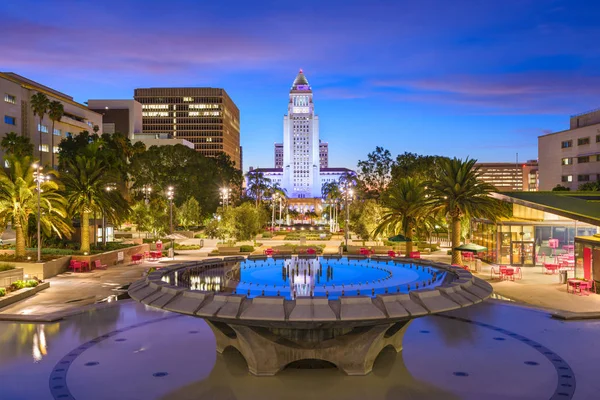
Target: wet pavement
point(129, 351)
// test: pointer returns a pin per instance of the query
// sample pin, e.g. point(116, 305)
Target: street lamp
point(109, 188)
point(147, 190)
point(39, 178)
point(348, 193)
point(274, 198)
point(170, 196)
point(224, 194)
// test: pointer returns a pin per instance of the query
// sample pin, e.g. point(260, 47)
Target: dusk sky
point(457, 78)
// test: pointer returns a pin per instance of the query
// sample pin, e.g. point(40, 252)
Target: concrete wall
point(8, 277)
point(44, 270)
point(551, 153)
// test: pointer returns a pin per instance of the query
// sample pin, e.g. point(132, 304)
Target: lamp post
point(110, 187)
point(147, 190)
point(170, 196)
point(348, 193)
point(225, 193)
point(39, 178)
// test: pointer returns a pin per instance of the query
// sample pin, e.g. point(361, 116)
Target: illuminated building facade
point(206, 117)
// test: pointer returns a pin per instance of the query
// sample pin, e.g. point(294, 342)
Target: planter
point(8, 277)
point(114, 257)
point(44, 270)
point(22, 294)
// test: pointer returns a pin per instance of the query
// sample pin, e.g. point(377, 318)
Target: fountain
point(282, 310)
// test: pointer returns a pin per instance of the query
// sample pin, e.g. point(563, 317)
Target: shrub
point(187, 246)
point(449, 252)
point(6, 267)
point(16, 285)
point(2, 292)
point(246, 249)
point(267, 235)
point(200, 236)
point(31, 283)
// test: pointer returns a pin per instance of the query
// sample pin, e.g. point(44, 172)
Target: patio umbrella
point(471, 247)
point(399, 238)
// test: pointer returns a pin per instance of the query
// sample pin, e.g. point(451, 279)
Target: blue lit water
point(294, 277)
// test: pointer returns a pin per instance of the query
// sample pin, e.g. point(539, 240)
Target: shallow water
point(129, 351)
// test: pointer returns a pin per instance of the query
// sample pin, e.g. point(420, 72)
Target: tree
point(589, 187)
point(55, 112)
point(560, 188)
point(153, 217)
point(364, 218)
point(85, 186)
point(257, 185)
point(406, 205)
point(17, 145)
point(242, 223)
point(189, 213)
point(374, 173)
point(457, 192)
point(414, 165)
point(18, 201)
point(40, 104)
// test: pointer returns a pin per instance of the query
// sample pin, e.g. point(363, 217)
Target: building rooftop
point(579, 206)
point(300, 80)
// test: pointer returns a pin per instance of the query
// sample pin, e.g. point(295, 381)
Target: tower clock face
point(300, 110)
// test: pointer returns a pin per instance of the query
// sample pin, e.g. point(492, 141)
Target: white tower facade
point(301, 162)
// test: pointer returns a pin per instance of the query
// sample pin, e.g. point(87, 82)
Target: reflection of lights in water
point(39, 344)
point(302, 276)
point(205, 283)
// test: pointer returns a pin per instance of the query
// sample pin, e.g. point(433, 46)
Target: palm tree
point(86, 186)
point(17, 145)
point(18, 200)
point(458, 192)
point(55, 112)
point(40, 104)
point(406, 205)
point(257, 185)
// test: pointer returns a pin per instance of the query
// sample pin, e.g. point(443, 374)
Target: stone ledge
point(22, 294)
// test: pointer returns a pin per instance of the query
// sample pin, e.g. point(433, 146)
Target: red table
point(137, 258)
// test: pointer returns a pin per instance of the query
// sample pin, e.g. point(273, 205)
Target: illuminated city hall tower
point(301, 164)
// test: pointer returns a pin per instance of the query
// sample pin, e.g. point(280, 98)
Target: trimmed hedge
point(6, 267)
point(246, 249)
point(2, 292)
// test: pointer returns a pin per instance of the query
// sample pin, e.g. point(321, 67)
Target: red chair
point(392, 253)
point(77, 266)
point(99, 265)
point(415, 254)
point(550, 268)
point(71, 264)
point(268, 252)
point(518, 274)
point(310, 250)
point(501, 272)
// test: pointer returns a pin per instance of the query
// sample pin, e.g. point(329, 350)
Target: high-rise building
point(509, 177)
point(206, 117)
point(324, 154)
point(278, 155)
point(571, 157)
point(17, 115)
point(123, 116)
point(302, 160)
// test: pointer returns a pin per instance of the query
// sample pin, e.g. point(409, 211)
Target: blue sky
point(458, 78)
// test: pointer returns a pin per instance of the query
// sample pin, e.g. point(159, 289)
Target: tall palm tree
point(257, 185)
point(55, 112)
point(40, 104)
point(18, 200)
point(458, 192)
point(17, 145)
point(86, 191)
point(406, 204)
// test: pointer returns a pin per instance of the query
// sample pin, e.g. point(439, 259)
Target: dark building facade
point(206, 117)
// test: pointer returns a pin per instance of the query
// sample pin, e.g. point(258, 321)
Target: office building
point(571, 158)
point(206, 117)
point(17, 115)
point(123, 116)
point(302, 160)
point(510, 176)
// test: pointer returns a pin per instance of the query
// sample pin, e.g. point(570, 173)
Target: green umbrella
point(471, 247)
point(399, 238)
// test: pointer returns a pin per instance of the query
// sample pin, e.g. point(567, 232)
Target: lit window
point(567, 178)
point(10, 120)
point(42, 128)
point(57, 132)
point(187, 99)
point(9, 98)
point(43, 148)
point(156, 106)
point(55, 149)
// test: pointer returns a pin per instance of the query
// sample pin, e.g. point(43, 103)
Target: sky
point(460, 78)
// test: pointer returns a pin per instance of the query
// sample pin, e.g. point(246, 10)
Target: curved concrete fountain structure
point(272, 332)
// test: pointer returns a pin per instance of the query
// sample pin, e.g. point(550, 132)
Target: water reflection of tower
point(302, 276)
point(205, 279)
